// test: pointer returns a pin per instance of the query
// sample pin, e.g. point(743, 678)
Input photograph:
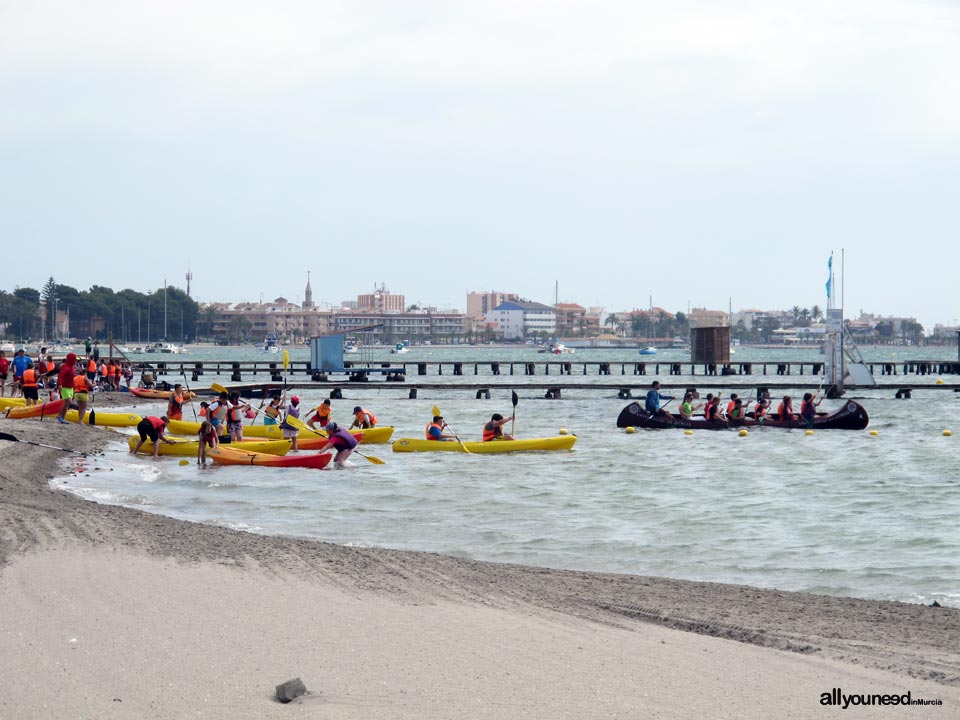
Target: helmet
point(295, 399)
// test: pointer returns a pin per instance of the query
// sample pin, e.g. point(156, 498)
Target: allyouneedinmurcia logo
point(837, 698)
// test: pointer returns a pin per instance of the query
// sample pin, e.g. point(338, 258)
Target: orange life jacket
point(438, 426)
point(730, 406)
point(29, 378)
point(490, 432)
point(80, 384)
point(362, 417)
point(783, 413)
point(92, 366)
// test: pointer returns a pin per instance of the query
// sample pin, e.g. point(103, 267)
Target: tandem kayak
point(559, 442)
point(371, 436)
point(227, 456)
point(188, 447)
point(851, 416)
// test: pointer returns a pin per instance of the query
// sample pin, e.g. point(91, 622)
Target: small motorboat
point(649, 350)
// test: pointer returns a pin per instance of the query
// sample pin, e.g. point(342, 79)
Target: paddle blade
point(217, 387)
point(92, 418)
point(514, 398)
point(436, 411)
point(373, 458)
point(286, 359)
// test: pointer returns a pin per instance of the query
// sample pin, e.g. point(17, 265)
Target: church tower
point(308, 294)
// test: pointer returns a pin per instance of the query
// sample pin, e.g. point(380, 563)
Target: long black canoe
point(851, 416)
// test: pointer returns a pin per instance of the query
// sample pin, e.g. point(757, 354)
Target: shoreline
point(911, 646)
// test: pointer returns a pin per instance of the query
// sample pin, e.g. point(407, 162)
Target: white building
point(517, 319)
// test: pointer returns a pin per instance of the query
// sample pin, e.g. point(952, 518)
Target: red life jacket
point(438, 426)
point(490, 432)
point(156, 422)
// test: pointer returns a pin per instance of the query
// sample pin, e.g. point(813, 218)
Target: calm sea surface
point(837, 512)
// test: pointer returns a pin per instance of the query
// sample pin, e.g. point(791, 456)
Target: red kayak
point(47, 409)
point(228, 456)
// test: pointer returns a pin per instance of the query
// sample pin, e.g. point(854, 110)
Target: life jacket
point(111, 371)
point(235, 414)
point(343, 439)
point(439, 428)
point(208, 435)
point(783, 413)
point(760, 410)
point(175, 404)
point(156, 422)
point(29, 378)
point(730, 406)
point(735, 413)
point(80, 384)
point(103, 369)
point(710, 411)
point(323, 413)
point(272, 411)
point(491, 432)
point(364, 418)
point(92, 366)
point(51, 366)
point(218, 410)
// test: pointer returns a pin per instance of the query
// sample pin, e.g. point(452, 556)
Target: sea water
point(836, 512)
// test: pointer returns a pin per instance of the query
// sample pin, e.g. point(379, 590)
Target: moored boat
point(648, 350)
point(188, 447)
point(558, 442)
point(227, 456)
point(850, 416)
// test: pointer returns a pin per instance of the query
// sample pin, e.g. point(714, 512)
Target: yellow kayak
point(187, 447)
point(559, 442)
point(7, 402)
point(106, 419)
point(377, 435)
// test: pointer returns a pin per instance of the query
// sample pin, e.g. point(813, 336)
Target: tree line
point(29, 315)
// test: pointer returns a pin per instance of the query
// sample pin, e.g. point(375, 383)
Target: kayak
point(188, 447)
point(6, 402)
point(152, 394)
point(227, 456)
point(315, 442)
point(377, 435)
point(47, 409)
point(851, 416)
point(106, 419)
point(558, 442)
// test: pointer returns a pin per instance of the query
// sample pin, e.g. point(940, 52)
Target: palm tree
point(795, 311)
point(816, 313)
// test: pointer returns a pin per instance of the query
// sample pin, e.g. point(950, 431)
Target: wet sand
point(113, 612)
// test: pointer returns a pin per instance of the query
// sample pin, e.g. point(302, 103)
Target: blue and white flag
point(829, 276)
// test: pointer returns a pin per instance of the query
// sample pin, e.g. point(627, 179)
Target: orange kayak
point(158, 394)
point(227, 456)
point(47, 409)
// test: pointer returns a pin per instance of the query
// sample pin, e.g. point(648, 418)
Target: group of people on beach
point(736, 408)
point(30, 375)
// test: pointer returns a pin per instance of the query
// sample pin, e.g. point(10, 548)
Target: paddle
point(93, 413)
point(189, 392)
point(14, 438)
point(515, 400)
point(300, 425)
point(436, 412)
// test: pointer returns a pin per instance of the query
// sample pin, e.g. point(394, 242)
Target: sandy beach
point(109, 612)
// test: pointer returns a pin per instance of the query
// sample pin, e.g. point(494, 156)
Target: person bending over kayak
point(342, 441)
point(493, 430)
point(436, 428)
point(207, 437)
point(152, 427)
point(321, 415)
point(363, 419)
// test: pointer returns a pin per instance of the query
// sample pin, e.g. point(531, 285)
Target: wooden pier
point(399, 371)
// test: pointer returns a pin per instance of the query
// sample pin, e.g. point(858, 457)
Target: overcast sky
point(691, 152)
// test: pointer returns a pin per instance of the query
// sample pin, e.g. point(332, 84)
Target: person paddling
point(808, 409)
point(435, 429)
point(785, 409)
point(687, 407)
point(493, 430)
point(652, 404)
